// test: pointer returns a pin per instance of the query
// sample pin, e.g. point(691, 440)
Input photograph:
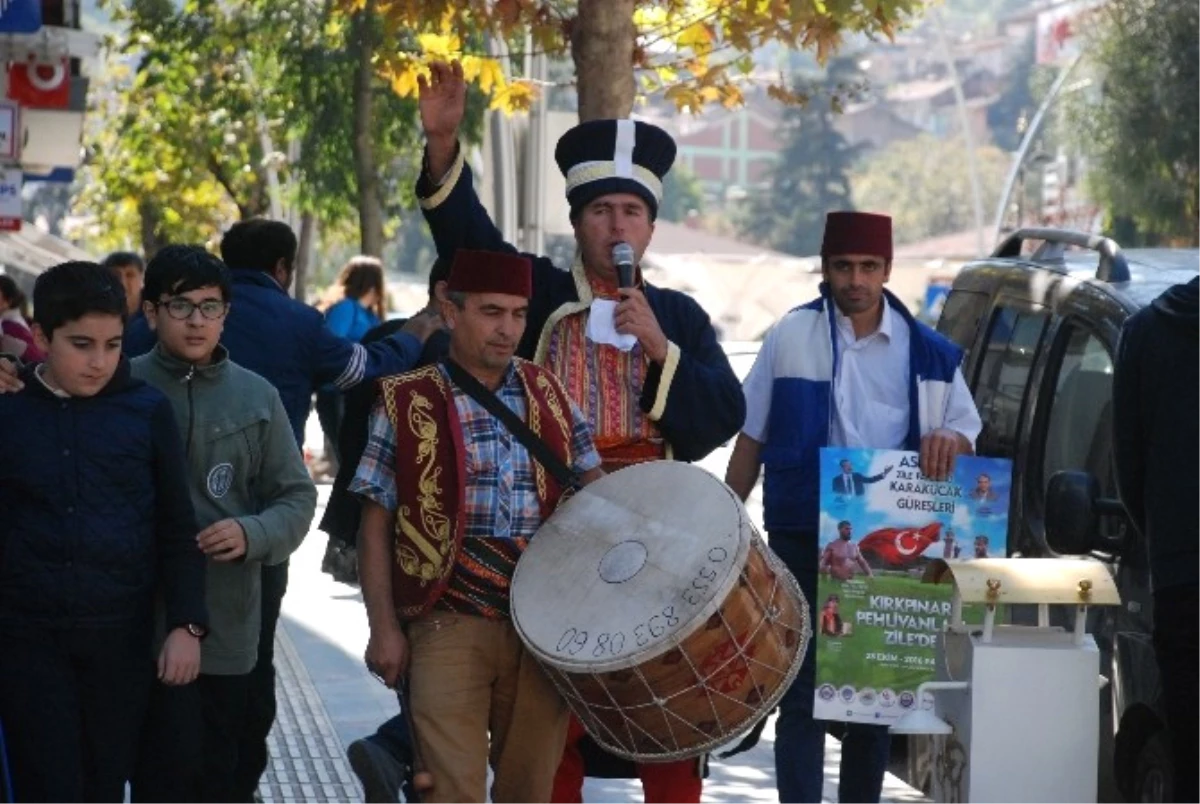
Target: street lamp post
point(1031, 133)
point(968, 135)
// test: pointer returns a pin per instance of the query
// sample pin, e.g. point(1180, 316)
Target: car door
point(1072, 431)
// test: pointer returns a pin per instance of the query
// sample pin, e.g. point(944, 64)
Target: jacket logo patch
point(220, 479)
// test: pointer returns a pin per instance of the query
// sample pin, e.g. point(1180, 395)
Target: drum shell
point(714, 684)
point(721, 663)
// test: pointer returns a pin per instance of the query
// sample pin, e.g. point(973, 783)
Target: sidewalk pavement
point(327, 700)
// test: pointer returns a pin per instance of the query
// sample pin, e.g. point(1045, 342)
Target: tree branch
point(218, 173)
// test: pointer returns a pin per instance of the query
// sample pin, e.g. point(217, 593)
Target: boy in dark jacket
point(96, 519)
point(254, 502)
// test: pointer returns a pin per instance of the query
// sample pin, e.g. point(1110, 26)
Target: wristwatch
point(198, 631)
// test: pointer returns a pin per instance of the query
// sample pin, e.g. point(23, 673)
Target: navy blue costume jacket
point(695, 399)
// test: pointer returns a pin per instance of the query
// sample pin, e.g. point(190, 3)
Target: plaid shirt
point(501, 492)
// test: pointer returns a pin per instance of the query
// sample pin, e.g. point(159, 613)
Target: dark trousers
point(72, 703)
point(394, 735)
point(191, 740)
point(330, 410)
point(1176, 625)
point(252, 754)
point(799, 739)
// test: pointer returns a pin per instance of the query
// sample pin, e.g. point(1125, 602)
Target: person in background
point(342, 513)
point(16, 338)
point(1156, 396)
point(254, 503)
point(360, 308)
point(851, 368)
point(381, 760)
point(95, 523)
point(128, 268)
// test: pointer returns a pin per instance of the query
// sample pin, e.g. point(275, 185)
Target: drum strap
point(536, 446)
point(749, 741)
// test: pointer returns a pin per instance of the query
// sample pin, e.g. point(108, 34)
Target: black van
point(1040, 334)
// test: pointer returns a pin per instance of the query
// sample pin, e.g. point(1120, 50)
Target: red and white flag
point(40, 86)
point(899, 547)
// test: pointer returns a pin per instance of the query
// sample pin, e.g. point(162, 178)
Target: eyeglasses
point(181, 309)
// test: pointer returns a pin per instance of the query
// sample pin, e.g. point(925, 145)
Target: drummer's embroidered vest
point(431, 474)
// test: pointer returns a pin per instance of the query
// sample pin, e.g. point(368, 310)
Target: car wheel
point(1152, 777)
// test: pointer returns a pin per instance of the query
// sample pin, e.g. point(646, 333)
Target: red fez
point(490, 272)
point(857, 233)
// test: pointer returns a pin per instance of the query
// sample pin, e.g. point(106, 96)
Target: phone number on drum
point(575, 641)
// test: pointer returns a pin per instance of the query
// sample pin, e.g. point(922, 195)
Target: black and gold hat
point(614, 156)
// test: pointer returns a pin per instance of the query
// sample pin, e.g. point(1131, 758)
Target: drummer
point(643, 363)
point(842, 371)
point(451, 498)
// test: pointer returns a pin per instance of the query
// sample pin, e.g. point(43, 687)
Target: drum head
point(629, 567)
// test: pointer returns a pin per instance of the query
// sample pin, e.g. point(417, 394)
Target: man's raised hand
point(442, 102)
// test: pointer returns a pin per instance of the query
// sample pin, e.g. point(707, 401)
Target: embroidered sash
point(431, 474)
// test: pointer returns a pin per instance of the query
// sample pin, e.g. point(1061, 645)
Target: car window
point(1079, 428)
point(1008, 353)
point(959, 321)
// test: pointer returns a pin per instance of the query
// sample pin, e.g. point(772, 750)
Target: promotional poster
point(882, 523)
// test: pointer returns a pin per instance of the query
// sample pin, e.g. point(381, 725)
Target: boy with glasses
point(254, 502)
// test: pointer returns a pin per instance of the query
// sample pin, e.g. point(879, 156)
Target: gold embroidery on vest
point(432, 538)
point(535, 424)
point(551, 392)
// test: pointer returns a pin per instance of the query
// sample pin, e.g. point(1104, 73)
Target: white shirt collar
point(846, 326)
point(38, 371)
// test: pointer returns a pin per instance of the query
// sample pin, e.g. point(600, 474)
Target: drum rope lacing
point(675, 751)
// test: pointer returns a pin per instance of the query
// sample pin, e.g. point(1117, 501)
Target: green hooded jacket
point(243, 464)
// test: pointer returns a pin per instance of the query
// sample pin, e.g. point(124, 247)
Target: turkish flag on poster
point(899, 547)
point(40, 86)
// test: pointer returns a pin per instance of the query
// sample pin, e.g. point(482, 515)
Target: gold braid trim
point(432, 538)
point(552, 390)
point(535, 424)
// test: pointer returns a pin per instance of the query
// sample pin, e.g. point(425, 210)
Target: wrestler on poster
point(882, 523)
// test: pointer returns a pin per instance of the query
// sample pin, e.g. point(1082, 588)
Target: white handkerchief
point(601, 328)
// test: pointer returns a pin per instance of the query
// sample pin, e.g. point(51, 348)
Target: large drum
point(659, 613)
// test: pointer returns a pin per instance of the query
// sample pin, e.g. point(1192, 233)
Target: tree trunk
point(602, 43)
point(370, 206)
point(151, 217)
point(308, 230)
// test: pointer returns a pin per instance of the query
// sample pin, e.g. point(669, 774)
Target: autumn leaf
point(439, 46)
point(731, 97)
point(488, 74)
point(517, 96)
point(404, 83)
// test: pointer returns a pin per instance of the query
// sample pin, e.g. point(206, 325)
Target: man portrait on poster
point(842, 557)
point(981, 547)
point(850, 483)
point(831, 621)
point(984, 496)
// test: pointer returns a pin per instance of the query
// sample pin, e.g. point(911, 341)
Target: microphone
point(622, 257)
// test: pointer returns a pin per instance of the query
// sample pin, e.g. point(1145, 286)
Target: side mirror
point(1072, 514)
